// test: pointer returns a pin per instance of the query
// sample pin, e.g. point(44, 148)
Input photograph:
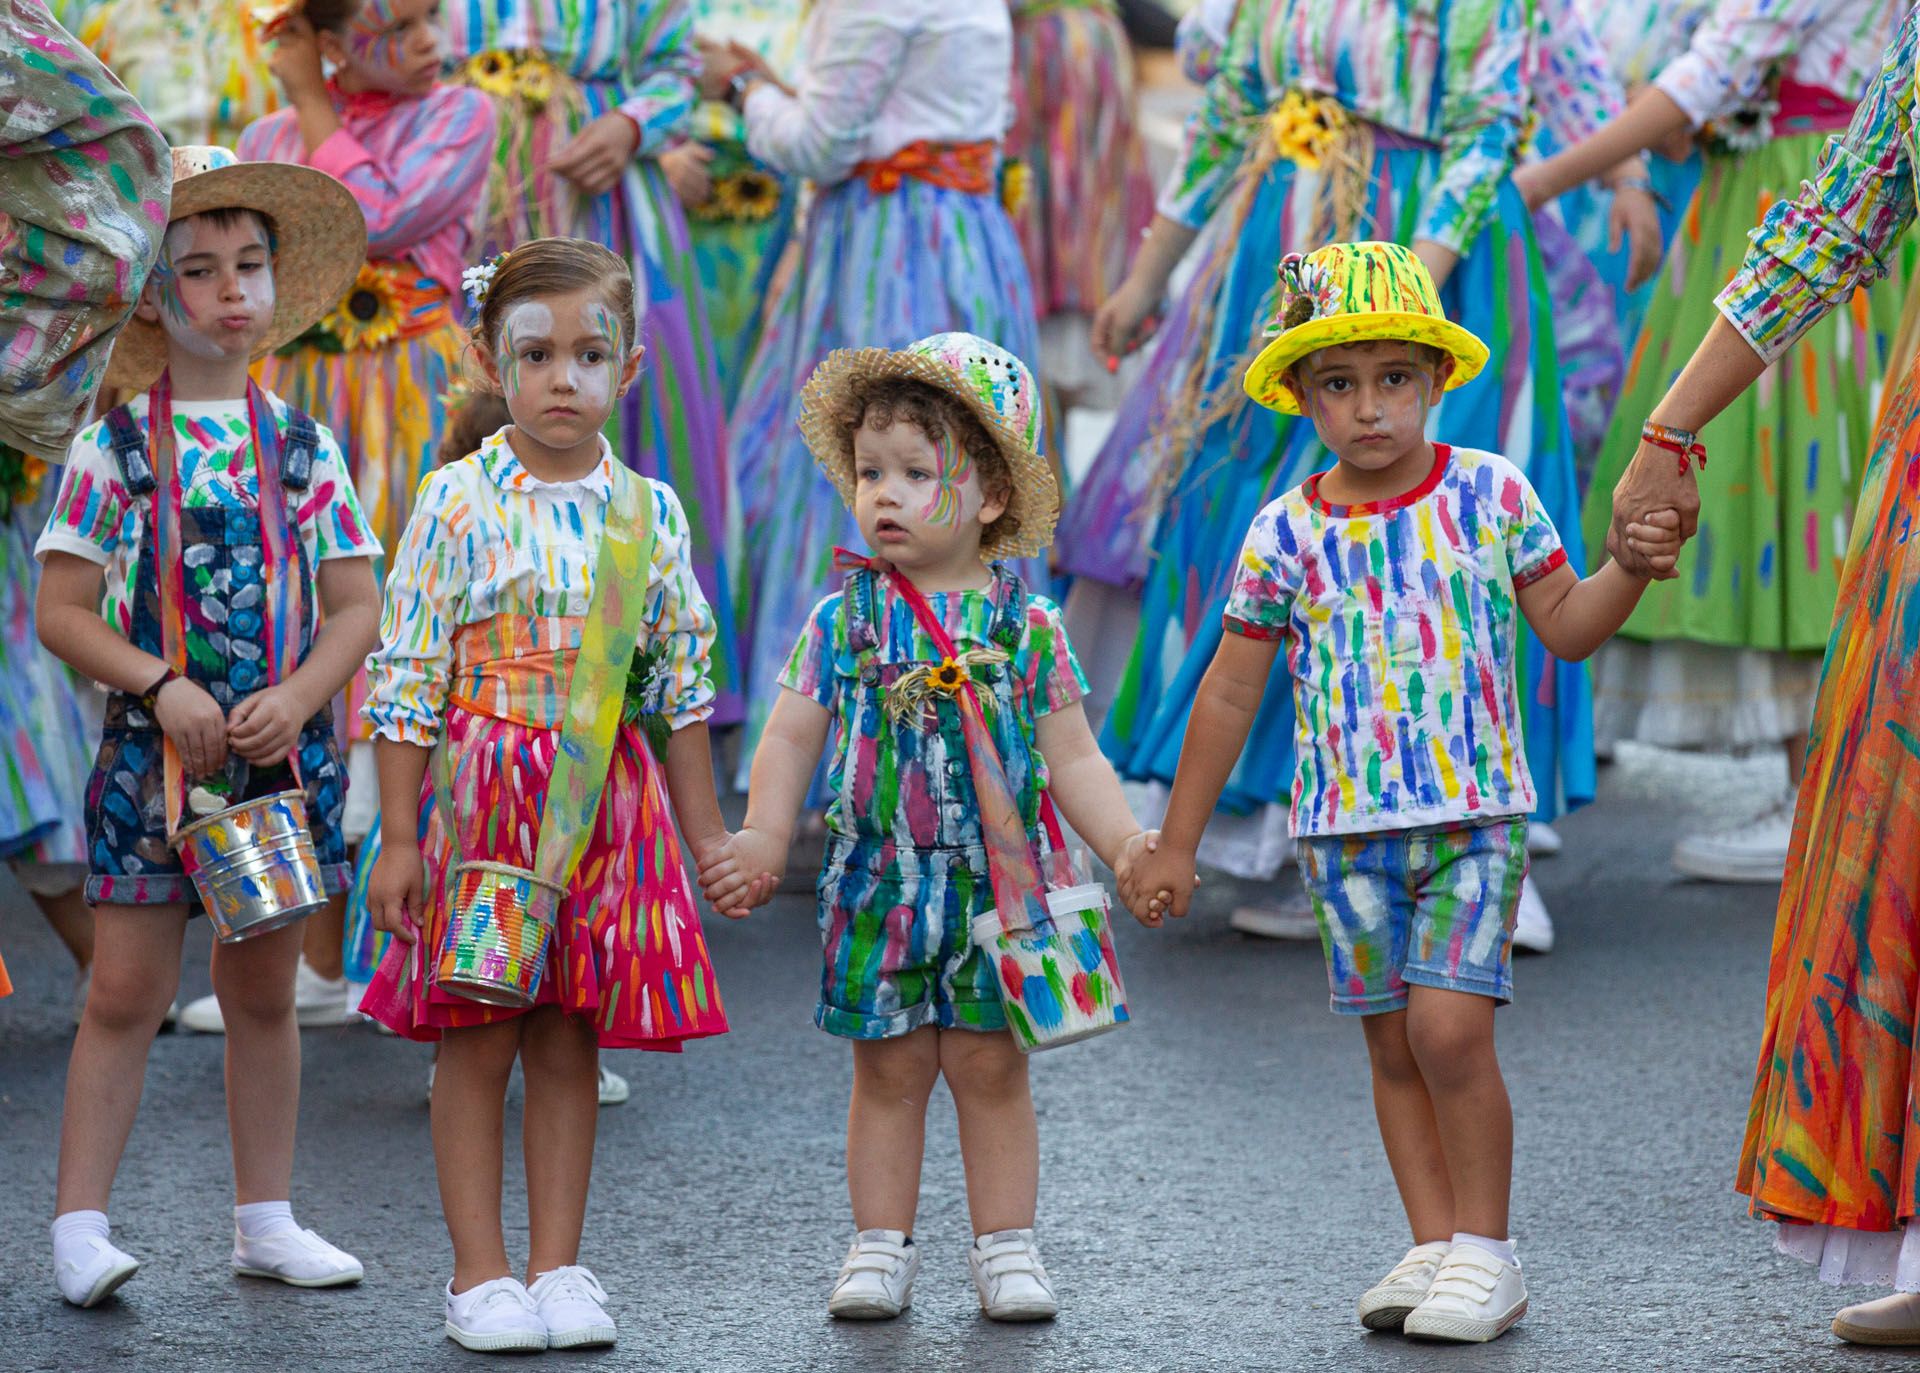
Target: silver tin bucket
point(254, 866)
point(499, 925)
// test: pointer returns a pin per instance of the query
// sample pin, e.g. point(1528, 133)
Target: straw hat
point(1350, 293)
point(320, 242)
point(992, 383)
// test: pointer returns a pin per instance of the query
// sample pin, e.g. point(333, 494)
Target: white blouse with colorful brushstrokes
point(488, 538)
point(1810, 255)
point(1741, 44)
point(1403, 635)
point(1449, 72)
point(96, 518)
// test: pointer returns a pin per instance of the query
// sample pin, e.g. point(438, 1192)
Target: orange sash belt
point(965, 167)
point(516, 667)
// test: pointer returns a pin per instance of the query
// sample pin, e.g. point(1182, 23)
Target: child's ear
point(481, 361)
point(332, 50)
point(1294, 389)
point(148, 309)
point(632, 369)
point(994, 504)
point(1443, 374)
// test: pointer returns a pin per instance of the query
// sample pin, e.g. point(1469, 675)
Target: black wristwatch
point(150, 698)
point(738, 87)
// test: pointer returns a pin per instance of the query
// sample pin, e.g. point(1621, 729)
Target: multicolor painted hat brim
point(1034, 507)
point(321, 243)
point(1266, 378)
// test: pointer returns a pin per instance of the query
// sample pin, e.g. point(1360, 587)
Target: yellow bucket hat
point(1350, 293)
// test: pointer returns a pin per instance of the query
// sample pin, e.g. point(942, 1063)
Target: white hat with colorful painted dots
point(992, 383)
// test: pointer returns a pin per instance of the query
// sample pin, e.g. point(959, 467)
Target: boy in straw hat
point(933, 448)
point(207, 562)
point(1394, 579)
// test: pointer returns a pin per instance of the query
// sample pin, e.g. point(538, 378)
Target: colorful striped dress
point(1430, 110)
point(1726, 655)
point(84, 178)
point(552, 67)
point(198, 67)
point(1832, 1135)
point(1086, 196)
point(485, 615)
point(740, 233)
point(898, 111)
point(376, 371)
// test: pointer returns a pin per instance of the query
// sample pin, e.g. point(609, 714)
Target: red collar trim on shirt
point(1442, 454)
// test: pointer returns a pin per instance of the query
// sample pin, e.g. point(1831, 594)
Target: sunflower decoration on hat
point(315, 231)
point(1356, 293)
point(996, 388)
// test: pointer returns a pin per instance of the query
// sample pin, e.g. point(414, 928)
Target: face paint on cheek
point(527, 320)
point(376, 45)
point(955, 467)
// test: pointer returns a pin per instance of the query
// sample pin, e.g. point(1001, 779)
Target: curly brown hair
point(886, 401)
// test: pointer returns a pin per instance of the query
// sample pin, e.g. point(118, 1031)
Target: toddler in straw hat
point(206, 561)
point(1393, 580)
point(933, 447)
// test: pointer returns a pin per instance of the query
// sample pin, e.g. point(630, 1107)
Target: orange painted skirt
point(1832, 1134)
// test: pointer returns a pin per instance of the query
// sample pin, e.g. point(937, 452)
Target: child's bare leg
point(469, 1110)
point(254, 982)
point(887, 1127)
point(323, 938)
point(999, 1137)
point(1451, 1034)
point(67, 913)
point(136, 971)
point(1409, 1130)
point(560, 1058)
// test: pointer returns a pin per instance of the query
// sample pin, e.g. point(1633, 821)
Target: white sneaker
point(1008, 1276)
point(495, 1317)
point(1753, 852)
point(1385, 1305)
point(571, 1302)
point(317, 1001)
point(90, 1281)
point(1543, 840)
point(613, 1088)
point(1290, 917)
point(1475, 1297)
point(1532, 927)
point(1892, 1320)
point(296, 1257)
point(876, 1281)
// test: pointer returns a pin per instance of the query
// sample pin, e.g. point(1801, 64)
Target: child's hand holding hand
point(744, 872)
point(264, 728)
point(1126, 867)
point(195, 723)
point(396, 890)
point(1160, 882)
point(1657, 538)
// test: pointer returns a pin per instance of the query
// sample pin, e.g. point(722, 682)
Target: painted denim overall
point(223, 553)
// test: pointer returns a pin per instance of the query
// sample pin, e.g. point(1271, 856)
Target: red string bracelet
point(1682, 441)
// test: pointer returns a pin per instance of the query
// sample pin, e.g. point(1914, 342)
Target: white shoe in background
point(1008, 1276)
point(876, 1280)
point(317, 1001)
point(1753, 852)
point(1532, 927)
point(1288, 917)
point(495, 1317)
point(1385, 1305)
point(613, 1088)
point(1475, 1297)
point(1543, 840)
point(571, 1303)
point(296, 1257)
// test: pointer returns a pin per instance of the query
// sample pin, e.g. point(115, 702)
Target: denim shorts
point(1427, 907)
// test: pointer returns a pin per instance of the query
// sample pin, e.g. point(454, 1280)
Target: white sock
point(1500, 1249)
point(259, 1219)
point(71, 1233)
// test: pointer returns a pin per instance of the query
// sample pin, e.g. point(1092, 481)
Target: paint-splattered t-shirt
point(878, 796)
point(96, 518)
point(1403, 634)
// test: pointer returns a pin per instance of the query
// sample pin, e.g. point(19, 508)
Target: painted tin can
point(1062, 984)
point(499, 927)
point(253, 865)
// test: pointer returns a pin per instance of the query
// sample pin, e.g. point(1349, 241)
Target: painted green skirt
point(1786, 459)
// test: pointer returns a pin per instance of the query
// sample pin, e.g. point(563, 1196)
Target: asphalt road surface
point(1213, 1193)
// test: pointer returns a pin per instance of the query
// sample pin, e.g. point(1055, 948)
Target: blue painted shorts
point(1427, 907)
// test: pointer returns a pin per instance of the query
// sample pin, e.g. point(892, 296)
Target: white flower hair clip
point(477, 281)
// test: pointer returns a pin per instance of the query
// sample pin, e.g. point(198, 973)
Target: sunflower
point(948, 677)
point(533, 83)
point(1016, 184)
point(492, 72)
point(1304, 127)
point(369, 316)
point(748, 194)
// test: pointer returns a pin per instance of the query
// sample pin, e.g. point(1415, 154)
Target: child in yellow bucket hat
point(1393, 579)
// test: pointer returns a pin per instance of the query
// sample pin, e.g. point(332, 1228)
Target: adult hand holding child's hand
point(195, 723)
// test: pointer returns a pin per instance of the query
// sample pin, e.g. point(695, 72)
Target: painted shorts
point(1427, 907)
point(896, 924)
